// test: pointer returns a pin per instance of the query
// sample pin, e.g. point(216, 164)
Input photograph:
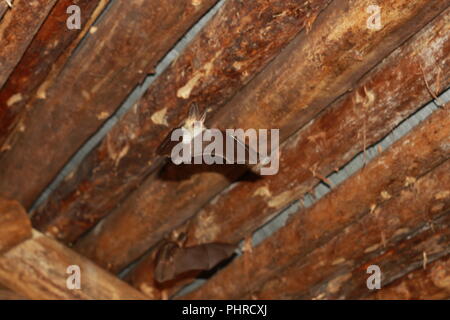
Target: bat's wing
point(202, 257)
point(165, 266)
point(173, 261)
point(231, 158)
point(166, 146)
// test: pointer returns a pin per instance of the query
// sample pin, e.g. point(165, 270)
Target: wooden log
point(431, 283)
point(3, 8)
point(97, 78)
point(338, 269)
point(412, 156)
point(277, 97)
point(323, 146)
point(37, 268)
point(214, 66)
point(6, 294)
point(15, 226)
point(47, 53)
point(17, 29)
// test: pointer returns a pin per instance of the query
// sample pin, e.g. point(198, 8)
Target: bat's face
point(191, 127)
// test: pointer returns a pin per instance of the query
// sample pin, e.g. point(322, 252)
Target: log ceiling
point(315, 69)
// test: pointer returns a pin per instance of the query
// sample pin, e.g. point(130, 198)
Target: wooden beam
point(37, 269)
point(283, 96)
point(17, 29)
point(104, 69)
point(214, 66)
point(3, 8)
point(6, 294)
point(47, 54)
point(409, 158)
point(15, 226)
point(431, 283)
point(322, 146)
point(395, 236)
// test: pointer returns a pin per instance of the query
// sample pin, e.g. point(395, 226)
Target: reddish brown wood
point(412, 156)
point(431, 283)
point(6, 294)
point(37, 268)
point(278, 97)
point(107, 65)
point(338, 269)
point(3, 8)
point(48, 52)
point(15, 226)
point(17, 28)
point(216, 65)
point(323, 145)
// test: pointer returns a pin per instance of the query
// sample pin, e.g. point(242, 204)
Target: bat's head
point(194, 123)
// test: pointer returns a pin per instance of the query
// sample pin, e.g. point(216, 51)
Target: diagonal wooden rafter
point(395, 237)
point(37, 269)
point(17, 29)
point(15, 226)
point(432, 282)
point(35, 266)
point(284, 95)
point(46, 55)
point(322, 144)
point(410, 157)
point(209, 72)
point(104, 69)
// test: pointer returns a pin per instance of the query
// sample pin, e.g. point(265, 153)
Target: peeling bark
point(17, 29)
point(46, 54)
point(15, 226)
point(431, 283)
point(284, 95)
point(412, 156)
point(395, 237)
point(37, 268)
point(109, 63)
point(323, 145)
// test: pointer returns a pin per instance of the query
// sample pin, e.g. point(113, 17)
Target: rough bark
point(47, 53)
point(104, 69)
point(431, 283)
point(37, 268)
point(3, 9)
point(412, 156)
point(214, 66)
point(5, 293)
point(17, 29)
point(338, 269)
point(15, 226)
point(284, 96)
point(398, 90)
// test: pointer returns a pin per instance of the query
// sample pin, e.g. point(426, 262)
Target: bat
point(195, 120)
point(173, 260)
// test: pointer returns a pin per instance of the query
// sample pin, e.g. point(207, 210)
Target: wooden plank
point(275, 98)
point(431, 283)
point(17, 29)
point(47, 53)
point(37, 268)
point(322, 145)
point(104, 69)
point(395, 237)
point(412, 156)
point(15, 226)
point(251, 34)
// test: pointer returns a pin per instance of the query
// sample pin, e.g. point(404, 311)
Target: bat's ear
point(193, 112)
point(203, 118)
